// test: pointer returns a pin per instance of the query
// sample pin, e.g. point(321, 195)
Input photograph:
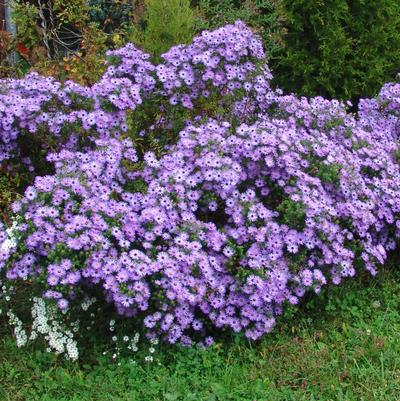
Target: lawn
point(343, 345)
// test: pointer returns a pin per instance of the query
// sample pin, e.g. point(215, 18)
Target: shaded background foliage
point(162, 23)
point(338, 48)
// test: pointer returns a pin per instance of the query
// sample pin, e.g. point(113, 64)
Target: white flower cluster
point(13, 320)
point(20, 334)
point(44, 323)
point(6, 292)
point(128, 344)
point(87, 303)
point(48, 324)
point(133, 344)
point(152, 350)
point(10, 241)
point(59, 339)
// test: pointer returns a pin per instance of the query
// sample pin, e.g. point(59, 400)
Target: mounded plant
point(253, 198)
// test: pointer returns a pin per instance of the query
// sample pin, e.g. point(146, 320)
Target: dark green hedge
point(339, 48)
point(335, 48)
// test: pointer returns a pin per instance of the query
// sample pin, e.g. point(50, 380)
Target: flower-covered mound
point(243, 213)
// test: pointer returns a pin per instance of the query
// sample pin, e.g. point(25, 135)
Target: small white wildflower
point(154, 341)
point(376, 304)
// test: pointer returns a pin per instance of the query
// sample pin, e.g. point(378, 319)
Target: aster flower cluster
point(245, 213)
point(233, 224)
point(35, 102)
point(75, 216)
point(129, 62)
point(221, 60)
point(83, 227)
point(280, 209)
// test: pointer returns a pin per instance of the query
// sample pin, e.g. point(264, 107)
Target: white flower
point(8, 244)
point(154, 341)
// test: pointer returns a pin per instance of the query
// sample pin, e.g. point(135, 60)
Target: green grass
point(343, 345)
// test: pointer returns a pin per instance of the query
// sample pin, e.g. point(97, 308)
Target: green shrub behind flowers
point(339, 49)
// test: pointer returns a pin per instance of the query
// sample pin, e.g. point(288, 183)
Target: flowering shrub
point(225, 57)
point(288, 209)
point(222, 58)
point(37, 102)
point(245, 212)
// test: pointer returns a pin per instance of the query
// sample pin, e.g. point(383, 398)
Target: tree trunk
point(2, 16)
point(138, 9)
